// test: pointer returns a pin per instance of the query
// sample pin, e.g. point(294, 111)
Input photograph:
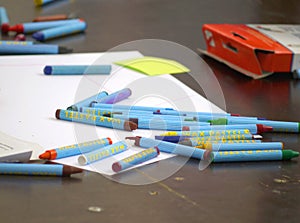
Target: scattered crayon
point(4, 21)
point(33, 49)
point(76, 69)
point(115, 97)
point(135, 159)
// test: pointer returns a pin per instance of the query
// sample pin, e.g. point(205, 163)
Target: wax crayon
point(200, 141)
point(135, 159)
point(102, 153)
point(193, 141)
point(173, 148)
point(254, 155)
point(4, 20)
point(9, 42)
point(253, 128)
point(194, 113)
point(76, 69)
point(31, 27)
point(159, 124)
point(109, 111)
point(33, 49)
point(34, 169)
point(242, 146)
point(86, 102)
point(207, 133)
point(102, 121)
point(115, 97)
point(278, 126)
point(75, 149)
point(128, 107)
point(60, 31)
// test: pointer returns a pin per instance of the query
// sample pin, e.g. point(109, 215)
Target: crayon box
point(256, 50)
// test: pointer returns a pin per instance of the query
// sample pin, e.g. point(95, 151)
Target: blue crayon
point(207, 133)
point(242, 146)
point(253, 128)
point(115, 97)
point(102, 153)
point(128, 107)
point(102, 121)
point(76, 69)
point(33, 49)
point(135, 159)
point(4, 20)
point(37, 169)
point(72, 150)
point(254, 155)
point(278, 126)
point(173, 148)
point(191, 113)
point(86, 102)
point(60, 31)
point(9, 42)
point(200, 141)
point(31, 27)
point(109, 112)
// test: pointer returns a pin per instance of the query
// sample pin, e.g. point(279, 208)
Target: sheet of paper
point(153, 66)
point(29, 99)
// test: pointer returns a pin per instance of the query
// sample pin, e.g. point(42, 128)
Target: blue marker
point(253, 128)
point(86, 102)
point(128, 107)
point(278, 126)
point(242, 146)
point(60, 31)
point(102, 121)
point(31, 27)
point(115, 97)
point(33, 49)
point(256, 155)
point(102, 153)
point(37, 169)
point(4, 21)
point(135, 159)
point(76, 69)
point(75, 149)
point(173, 148)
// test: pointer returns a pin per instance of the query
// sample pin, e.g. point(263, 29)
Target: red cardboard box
point(257, 50)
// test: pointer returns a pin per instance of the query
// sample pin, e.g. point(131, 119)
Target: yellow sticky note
point(153, 66)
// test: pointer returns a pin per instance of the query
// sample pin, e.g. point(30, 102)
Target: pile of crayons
point(41, 29)
point(217, 137)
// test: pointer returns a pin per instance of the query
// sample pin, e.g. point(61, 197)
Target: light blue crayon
point(4, 20)
point(157, 118)
point(278, 126)
point(253, 128)
point(115, 97)
point(128, 107)
point(218, 133)
point(76, 69)
point(86, 102)
point(31, 27)
point(102, 153)
point(76, 149)
point(42, 2)
point(108, 111)
point(243, 146)
point(9, 42)
point(173, 148)
point(60, 31)
point(102, 121)
point(191, 113)
point(33, 49)
point(254, 155)
point(135, 159)
point(31, 169)
point(200, 142)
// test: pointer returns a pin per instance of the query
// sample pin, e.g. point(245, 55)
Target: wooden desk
point(237, 192)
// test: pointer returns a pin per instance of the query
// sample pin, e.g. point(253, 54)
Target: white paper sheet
point(29, 99)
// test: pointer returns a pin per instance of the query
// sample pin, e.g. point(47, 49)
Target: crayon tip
point(45, 156)
point(135, 138)
point(68, 170)
point(48, 70)
point(116, 167)
point(129, 126)
point(57, 113)
point(185, 128)
point(289, 154)
point(263, 128)
point(5, 28)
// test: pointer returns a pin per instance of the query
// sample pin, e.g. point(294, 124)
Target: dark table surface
point(232, 192)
